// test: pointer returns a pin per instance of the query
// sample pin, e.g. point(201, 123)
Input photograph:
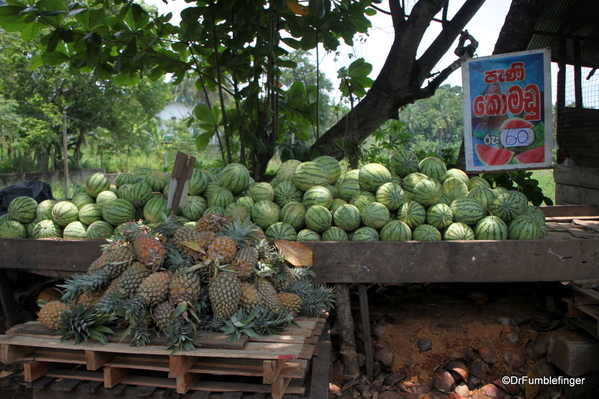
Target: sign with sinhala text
point(507, 111)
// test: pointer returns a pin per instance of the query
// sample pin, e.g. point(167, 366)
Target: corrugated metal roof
point(568, 23)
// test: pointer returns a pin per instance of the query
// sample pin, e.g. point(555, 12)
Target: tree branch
point(445, 39)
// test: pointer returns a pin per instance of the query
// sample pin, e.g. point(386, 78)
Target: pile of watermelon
point(408, 199)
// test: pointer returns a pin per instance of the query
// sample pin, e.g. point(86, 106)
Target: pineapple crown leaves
point(168, 226)
point(130, 230)
point(78, 283)
point(181, 334)
point(110, 303)
point(134, 309)
point(175, 260)
point(82, 324)
point(141, 335)
point(241, 324)
point(241, 231)
point(268, 323)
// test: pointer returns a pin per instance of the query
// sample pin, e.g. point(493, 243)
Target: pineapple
point(290, 301)
point(118, 256)
point(250, 298)
point(245, 262)
point(149, 250)
point(184, 287)
point(132, 277)
point(222, 250)
point(224, 290)
point(89, 298)
point(211, 222)
point(187, 234)
point(269, 296)
point(154, 288)
point(50, 312)
point(162, 315)
point(282, 277)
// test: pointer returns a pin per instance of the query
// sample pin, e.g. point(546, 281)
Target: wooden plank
point(455, 261)
point(7, 300)
point(570, 210)
point(321, 365)
point(179, 364)
point(94, 360)
point(577, 176)
point(49, 253)
point(366, 328)
point(76, 375)
point(34, 370)
point(271, 369)
point(567, 194)
point(213, 386)
point(10, 353)
point(279, 387)
point(144, 391)
point(114, 376)
point(91, 387)
point(186, 381)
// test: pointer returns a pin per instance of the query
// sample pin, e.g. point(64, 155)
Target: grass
point(546, 182)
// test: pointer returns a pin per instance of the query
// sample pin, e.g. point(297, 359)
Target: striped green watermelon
point(439, 215)
point(426, 232)
point(281, 231)
point(508, 206)
point(105, 197)
point(412, 214)
point(198, 182)
point(500, 190)
point(246, 202)
point(12, 229)
point(64, 212)
point(352, 174)
point(89, 213)
point(365, 233)
point(212, 188)
point(484, 194)
point(287, 191)
point(491, 228)
point(454, 188)
point(318, 218)
point(221, 198)
point(410, 181)
point(334, 233)
point(23, 209)
point(123, 191)
point(458, 231)
point(125, 178)
point(445, 199)
point(30, 226)
point(235, 177)
point(535, 212)
point(261, 191)
point(75, 230)
point(236, 211)
point(404, 162)
point(82, 199)
point(372, 176)
point(118, 211)
point(478, 181)
point(349, 189)
point(347, 217)
point(331, 165)
point(156, 179)
point(214, 209)
point(362, 199)
point(310, 174)
point(458, 174)
point(195, 208)
point(265, 213)
point(141, 171)
point(396, 230)
point(154, 210)
point(294, 213)
point(434, 168)
point(524, 227)
point(308, 235)
point(334, 190)
point(317, 195)
point(337, 202)
point(391, 195)
point(44, 209)
point(96, 183)
point(467, 210)
point(427, 191)
point(47, 229)
point(287, 170)
point(140, 193)
point(375, 215)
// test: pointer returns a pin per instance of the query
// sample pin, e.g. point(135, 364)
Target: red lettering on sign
point(515, 73)
point(515, 101)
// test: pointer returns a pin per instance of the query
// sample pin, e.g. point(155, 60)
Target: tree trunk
point(403, 75)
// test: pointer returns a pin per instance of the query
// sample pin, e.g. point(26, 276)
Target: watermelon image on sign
point(534, 155)
point(517, 132)
point(493, 156)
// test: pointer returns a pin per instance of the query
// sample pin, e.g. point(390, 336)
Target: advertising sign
point(507, 111)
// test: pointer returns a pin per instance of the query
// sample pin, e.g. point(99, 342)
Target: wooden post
point(65, 154)
point(182, 172)
point(365, 316)
point(345, 322)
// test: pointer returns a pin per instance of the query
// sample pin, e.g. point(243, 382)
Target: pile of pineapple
point(221, 275)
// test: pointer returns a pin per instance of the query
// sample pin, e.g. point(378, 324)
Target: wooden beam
point(94, 360)
point(10, 353)
point(365, 315)
point(113, 376)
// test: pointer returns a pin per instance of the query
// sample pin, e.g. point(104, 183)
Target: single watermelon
point(493, 156)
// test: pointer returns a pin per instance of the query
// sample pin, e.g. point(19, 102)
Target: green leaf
point(55, 58)
point(205, 114)
point(11, 13)
point(35, 62)
point(30, 31)
point(53, 40)
point(318, 8)
point(359, 68)
point(203, 140)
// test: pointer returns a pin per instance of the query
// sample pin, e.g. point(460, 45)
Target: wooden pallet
point(583, 307)
point(269, 363)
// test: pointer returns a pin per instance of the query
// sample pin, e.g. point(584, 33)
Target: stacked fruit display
point(220, 275)
point(410, 199)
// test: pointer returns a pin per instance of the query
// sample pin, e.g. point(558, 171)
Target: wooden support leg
point(9, 305)
point(346, 325)
point(365, 315)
